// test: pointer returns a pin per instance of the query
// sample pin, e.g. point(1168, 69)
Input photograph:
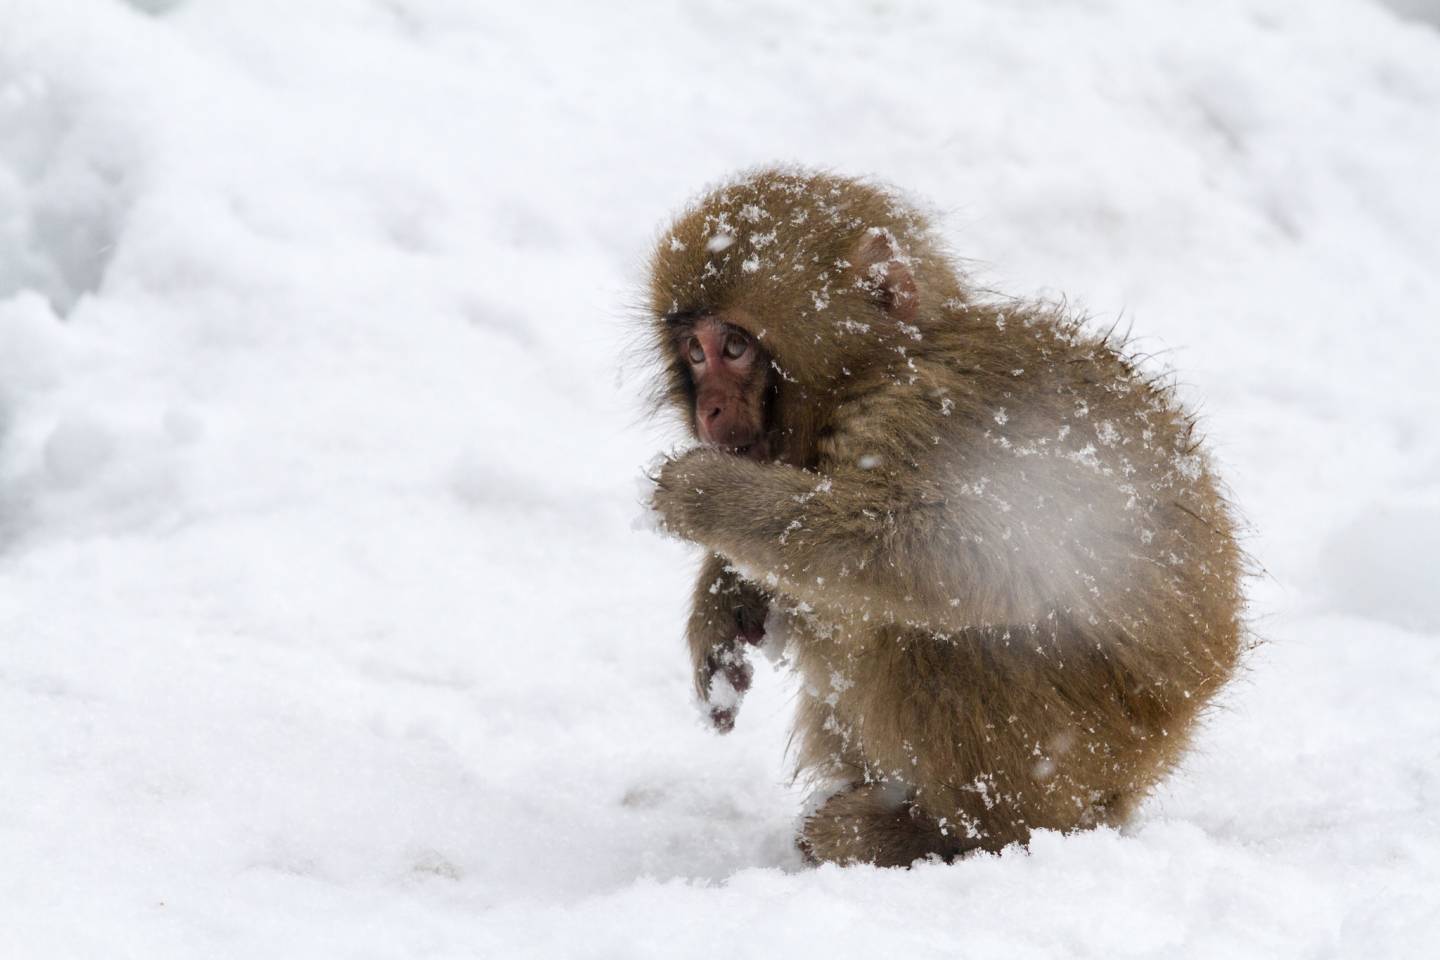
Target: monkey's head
point(775, 289)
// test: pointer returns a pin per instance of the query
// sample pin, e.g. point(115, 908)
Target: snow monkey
point(1005, 571)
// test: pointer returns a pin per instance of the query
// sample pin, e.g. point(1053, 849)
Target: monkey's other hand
point(687, 487)
point(720, 645)
point(727, 677)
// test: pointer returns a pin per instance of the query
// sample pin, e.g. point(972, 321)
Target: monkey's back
point(1075, 686)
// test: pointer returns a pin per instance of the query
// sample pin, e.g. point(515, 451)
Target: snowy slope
point(323, 627)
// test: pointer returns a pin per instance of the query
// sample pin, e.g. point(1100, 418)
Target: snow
point(325, 629)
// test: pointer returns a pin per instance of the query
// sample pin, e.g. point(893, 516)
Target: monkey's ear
point(881, 267)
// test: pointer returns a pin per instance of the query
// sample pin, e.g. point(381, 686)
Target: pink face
point(730, 374)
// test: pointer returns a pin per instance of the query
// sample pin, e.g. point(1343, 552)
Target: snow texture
point(325, 632)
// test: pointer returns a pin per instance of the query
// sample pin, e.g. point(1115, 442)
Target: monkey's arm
point(853, 540)
point(726, 614)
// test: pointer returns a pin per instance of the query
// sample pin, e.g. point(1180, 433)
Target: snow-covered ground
point(324, 631)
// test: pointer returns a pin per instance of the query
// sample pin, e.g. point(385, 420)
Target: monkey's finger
point(722, 720)
point(749, 629)
point(739, 673)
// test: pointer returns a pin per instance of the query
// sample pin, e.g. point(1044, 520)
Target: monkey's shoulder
point(883, 422)
point(1083, 420)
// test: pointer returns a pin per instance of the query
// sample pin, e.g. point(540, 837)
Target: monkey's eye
point(735, 346)
point(696, 352)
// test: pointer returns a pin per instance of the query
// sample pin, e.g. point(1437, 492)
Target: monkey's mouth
point(754, 450)
point(757, 448)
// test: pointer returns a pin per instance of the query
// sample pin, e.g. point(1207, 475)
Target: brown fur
point(1010, 580)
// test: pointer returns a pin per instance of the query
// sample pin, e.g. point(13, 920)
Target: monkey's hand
point(728, 673)
point(687, 485)
point(727, 616)
point(720, 635)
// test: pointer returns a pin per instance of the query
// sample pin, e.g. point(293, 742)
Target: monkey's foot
point(866, 824)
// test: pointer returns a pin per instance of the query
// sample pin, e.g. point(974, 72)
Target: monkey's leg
point(869, 823)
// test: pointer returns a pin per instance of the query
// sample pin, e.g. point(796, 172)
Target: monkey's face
point(729, 375)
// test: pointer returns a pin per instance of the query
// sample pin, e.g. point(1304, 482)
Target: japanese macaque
point(1005, 571)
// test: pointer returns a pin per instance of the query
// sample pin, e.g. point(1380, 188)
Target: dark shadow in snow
point(64, 191)
point(1420, 11)
point(156, 8)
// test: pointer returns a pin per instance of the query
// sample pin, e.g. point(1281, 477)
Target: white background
point(323, 628)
